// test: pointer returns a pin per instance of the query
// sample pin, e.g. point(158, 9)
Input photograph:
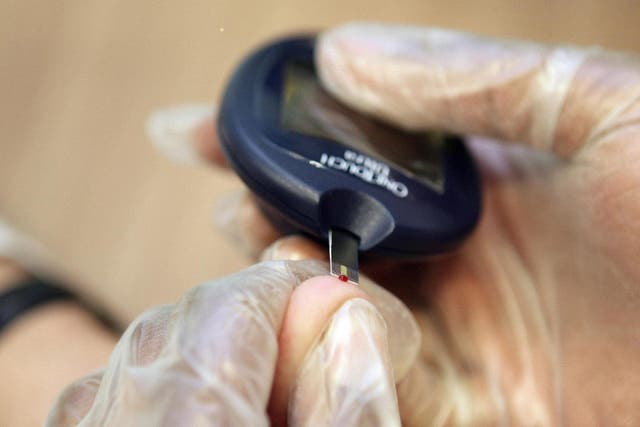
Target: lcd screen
point(309, 110)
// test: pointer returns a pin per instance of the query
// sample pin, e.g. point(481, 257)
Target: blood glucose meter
point(323, 169)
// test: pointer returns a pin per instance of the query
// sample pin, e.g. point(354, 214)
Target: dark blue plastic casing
point(300, 193)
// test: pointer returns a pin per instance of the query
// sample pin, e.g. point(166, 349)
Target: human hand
point(279, 335)
point(535, 320)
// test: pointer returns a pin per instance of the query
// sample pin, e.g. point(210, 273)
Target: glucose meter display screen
point(308, 109)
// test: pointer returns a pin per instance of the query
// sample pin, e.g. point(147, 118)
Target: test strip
point(343, 255)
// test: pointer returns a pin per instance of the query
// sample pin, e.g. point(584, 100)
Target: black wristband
point(26, 295)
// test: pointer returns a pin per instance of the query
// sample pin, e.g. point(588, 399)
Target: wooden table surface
point(78, 79)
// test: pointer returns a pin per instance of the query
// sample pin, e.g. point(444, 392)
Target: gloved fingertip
point(347, 377)
point(177, 132)
point(75, 401)
point(333, 69)
point(357, 319)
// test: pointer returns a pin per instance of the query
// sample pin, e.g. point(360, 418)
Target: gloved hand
point(334, 350)
point(535, 320)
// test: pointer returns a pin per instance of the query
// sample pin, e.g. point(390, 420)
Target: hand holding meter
point(320, 168)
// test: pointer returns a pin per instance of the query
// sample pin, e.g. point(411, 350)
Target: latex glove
point(536, 319)
point(211, 358)
point(542, 306)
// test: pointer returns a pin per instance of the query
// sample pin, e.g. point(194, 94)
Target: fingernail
point(347, 378)
point(173, 131)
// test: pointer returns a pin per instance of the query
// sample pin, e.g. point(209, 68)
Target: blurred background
point(79, 78)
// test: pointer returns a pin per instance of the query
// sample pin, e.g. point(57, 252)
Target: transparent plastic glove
point(536, 319)
point(211, 358)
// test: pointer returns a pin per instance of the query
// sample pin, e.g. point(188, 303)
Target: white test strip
point(343, 255)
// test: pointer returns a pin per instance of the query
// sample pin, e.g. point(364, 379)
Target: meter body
point(315, 165)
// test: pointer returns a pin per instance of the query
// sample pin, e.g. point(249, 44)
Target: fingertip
point(325, 289)
point(347, 377)
point(75, 401)
point(548, 97)
point(310, 307)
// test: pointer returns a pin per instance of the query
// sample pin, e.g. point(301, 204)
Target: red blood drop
point(343, 278)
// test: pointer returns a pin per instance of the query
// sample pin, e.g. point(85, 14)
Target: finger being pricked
point(278, 343)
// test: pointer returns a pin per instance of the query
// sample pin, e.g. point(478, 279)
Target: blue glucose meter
point(320, 168)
